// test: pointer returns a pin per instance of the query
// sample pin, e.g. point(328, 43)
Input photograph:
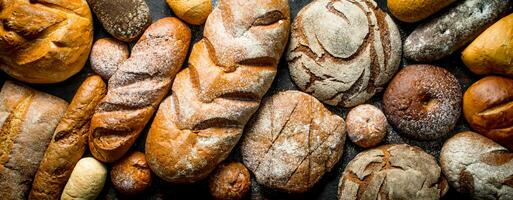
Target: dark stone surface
point(327, 186)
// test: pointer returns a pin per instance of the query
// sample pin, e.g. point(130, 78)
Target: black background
point(327, 186)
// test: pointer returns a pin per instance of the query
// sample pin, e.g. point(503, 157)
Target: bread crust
point(416, 10)
point(231, 181)
point(131, 175)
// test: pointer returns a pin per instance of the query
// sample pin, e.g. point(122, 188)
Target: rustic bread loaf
point(229, 72)
point(230, 181)
point(492, 51)
point(69, 141)
point(137, 87)
point(131, 175)
point(366, 125)
point(348, 60)
point(86, 181)
point(107, 55)
point(397, 171)
point(423, 102)
point(44, 41)
point(123, 19)
point(192, 11)
point(488, 108)
point(475, 165)
point(292, 141)
point(416, 10)
point(27, 121)
point(453, 29)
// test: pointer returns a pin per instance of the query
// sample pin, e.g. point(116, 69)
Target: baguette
point(230, 70)
point(27, 121)
point(69, 141)
point(137, 87)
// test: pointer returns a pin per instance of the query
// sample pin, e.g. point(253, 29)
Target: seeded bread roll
point(423, 102)
point(348, 60)
point(416, 10)
point(27, 122)
point(292, 141)
point(69, 141)
point(397, 171)
point(475, 165)
point(453, 29)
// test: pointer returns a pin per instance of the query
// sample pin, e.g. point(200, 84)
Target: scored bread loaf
point(27, 121)
point(229, 72)
point(137, 87)
point(69, 141)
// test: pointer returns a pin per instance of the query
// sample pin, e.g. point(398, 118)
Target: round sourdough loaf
point(396, 171)
point(343, 52)
point(292, 141)
point(475, 165)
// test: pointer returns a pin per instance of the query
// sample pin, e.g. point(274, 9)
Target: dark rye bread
point(27, 122)
point(124, 19)
point(292, 141)
point(346, 61)
point(69, 141)
point(423, 102)
point(453, 29)
point(477, 166)
point(396, 171)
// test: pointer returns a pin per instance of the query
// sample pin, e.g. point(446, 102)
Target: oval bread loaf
point(86, 181)
point(131, 175)
point(192, 11)
point(416, 10)
point(229, 72)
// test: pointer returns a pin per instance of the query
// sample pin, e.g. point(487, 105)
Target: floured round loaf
point(396, 171)
point(292, 141)
point(343, 52)
point(475, 165)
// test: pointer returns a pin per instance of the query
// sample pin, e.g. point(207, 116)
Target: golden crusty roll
point(229, 72)
point(69, 141)
point(192, 11)
point(492, 51)
point(488, 108)
point(416, 10)
point(44, 41)
point(137, 87)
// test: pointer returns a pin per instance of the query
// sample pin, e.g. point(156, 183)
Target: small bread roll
point(416, 10)
point(192, 11)
point(366, 125)
point(86, 181)
point(131, 175)
point(230, 181)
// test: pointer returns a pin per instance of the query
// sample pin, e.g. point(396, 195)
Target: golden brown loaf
point(488, 108)
point(131, 174)
point(192, 11)
point(137, 87)
point(44, 41)
point(107, 54)
point(69, 141)
point(416, 10)
point(27, 122)
point(230, 181)
point(229, 72)
point(492, 51)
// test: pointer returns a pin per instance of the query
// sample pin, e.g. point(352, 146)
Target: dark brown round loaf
point(230, 181)
point(423, 102)
point(131, 175)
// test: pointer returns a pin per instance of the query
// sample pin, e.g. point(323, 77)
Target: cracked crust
point(351, 59)
point(44, 41)
point(131, 175)
point(28, 119)
point(478, 166)
point(421, 108)
point(230, 181)
point(137, 88)
point(229, 72)
point(396, 171)
point(292, 141)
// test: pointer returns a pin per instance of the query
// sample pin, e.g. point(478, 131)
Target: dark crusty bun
point(488, 108)
point(131, 175)
point(230, 181)
point(348, 60)
point(292, 141)
point(477, 166)
point(27, 122)
point(69, 141)
point(423, 102)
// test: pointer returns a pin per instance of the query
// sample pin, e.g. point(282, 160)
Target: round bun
point(230, 181)
point(131, 175)
point(366, 125)
point(488, 108)
point(348, 60)
point(395, 171)
point(192, 11)
point(44, 42)
point(423, 102)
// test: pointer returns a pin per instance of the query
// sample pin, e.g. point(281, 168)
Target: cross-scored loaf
point(44, 41)
point(229, 72)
